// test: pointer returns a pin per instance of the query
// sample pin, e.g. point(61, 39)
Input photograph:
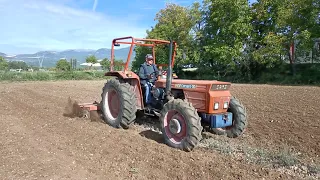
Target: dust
point(96, 117)
point(72, 109)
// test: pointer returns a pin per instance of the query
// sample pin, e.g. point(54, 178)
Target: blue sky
point(28, 26)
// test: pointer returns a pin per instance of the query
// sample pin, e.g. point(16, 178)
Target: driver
point(148, 74)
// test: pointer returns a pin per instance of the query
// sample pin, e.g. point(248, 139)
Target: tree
point(3, 63)
point(173, 22)
point(266, 43)
point(226, 32)
point(105, 63)
point(299, 21)
point(91, 59)
point(233, 36)
point(118, 64)
point(280, 23)
point(141, 51)
point(63, 65)
point(17, 65)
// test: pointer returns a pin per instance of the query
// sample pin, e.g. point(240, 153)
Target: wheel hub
point(174, 126)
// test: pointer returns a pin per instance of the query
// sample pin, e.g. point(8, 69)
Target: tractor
point(184, 107)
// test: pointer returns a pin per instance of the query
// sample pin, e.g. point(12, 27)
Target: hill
point(51, 57)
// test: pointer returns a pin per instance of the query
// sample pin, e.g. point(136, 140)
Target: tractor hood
point(213, 85)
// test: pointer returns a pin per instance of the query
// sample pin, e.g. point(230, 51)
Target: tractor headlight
point(225, 105)
point(216, 106)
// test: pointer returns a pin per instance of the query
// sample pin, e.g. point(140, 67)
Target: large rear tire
point(118, 104)
point(181, 125)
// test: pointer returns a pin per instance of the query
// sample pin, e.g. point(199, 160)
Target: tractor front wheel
point(118, 104)
point(239, 120)
point(181, 125)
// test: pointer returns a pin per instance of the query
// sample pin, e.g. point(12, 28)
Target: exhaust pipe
point(169, 74)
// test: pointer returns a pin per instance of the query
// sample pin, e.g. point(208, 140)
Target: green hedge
point(306, 74)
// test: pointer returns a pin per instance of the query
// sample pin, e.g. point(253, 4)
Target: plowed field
point(38, 142)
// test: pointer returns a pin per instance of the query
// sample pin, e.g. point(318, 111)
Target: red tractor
point(184, 107)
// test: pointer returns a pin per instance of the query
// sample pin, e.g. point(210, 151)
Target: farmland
point(37, 141)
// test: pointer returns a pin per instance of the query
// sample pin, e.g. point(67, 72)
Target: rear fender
point(134, 80)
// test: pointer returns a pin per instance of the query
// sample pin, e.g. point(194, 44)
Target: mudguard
point(134, 80)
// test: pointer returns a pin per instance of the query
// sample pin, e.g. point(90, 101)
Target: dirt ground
point(38, 142)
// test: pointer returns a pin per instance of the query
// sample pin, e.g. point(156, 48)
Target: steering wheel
point(154, 73)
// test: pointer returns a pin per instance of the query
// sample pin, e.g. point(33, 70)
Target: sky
point(28, 26)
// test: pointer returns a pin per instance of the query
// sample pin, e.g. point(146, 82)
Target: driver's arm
point(156, 71)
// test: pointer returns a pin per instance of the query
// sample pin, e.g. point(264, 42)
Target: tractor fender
point(134, 80)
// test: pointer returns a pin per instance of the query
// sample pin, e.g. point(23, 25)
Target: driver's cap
point(149, 56)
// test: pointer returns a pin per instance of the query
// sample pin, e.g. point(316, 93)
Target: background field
point(37, 141)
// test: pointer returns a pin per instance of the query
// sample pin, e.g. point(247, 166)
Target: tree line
point(240, 40)
point(7, 65)
point(62, 64)
point(65, 65)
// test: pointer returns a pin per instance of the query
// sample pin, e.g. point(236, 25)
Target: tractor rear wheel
point(118, 104)
point(239, 120)
point(181, 125)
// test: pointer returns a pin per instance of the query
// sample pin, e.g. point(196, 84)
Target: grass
point(283, 158)
point(51, 75)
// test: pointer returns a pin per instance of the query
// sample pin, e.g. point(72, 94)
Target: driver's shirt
point(149, 70)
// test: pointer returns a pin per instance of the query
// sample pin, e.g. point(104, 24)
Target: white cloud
point(44, 25)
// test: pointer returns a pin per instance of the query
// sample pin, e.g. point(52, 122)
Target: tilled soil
point(283, 116)
point(38, 142)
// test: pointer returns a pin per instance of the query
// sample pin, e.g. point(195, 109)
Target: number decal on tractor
point(187, 86)
point(221, 86)
point(217, 87)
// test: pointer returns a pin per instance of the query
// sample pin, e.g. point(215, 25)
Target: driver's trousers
point(148, 87)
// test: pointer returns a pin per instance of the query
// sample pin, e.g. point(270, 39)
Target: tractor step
point(151, 112)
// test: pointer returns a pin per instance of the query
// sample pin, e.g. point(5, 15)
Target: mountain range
point(50, 58)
